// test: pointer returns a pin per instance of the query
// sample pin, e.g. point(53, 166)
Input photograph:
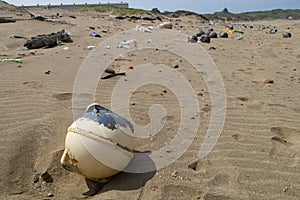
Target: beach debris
point(107, 47)
point(94, 34)
point(91, 47)
point(192, 39)
point(142, 29)
point(50, 194)
point(268, 81)
point(16, 60)
point(165, 25)
point(154, 187)
point(98, 145)
point(129, 42)
point(47, 72)
point(110, 70)
point(130, 67)
point(223, 35)
point(48, 40)
point(273, 31)
point(36, 16)
point(199, 33)
point(212, 48)
point(213, 35)
point(239, 37)
point(123, 46)
point(287, 35)
point(7, 20)
point(174, 174)
point(205, 39)
point(66, 48)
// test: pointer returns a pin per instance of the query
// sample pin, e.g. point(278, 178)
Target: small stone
point(268, 81)
point(165, 91)
point(176, 66)
point(50, 194)
point(154, 187)
point(48, 72)
point(46, 177)
point(212, 48)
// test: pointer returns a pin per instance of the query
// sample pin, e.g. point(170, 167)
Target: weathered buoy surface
point(98, 144)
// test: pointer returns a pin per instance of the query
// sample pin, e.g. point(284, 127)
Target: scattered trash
point(67, 48)
point(165, 25)
point(94, 34)
point(287, 35)
point(212, 48)
point(16, 60)
point(142, 29)
point(239, 37)
point(91, 47)
point(154, 187)
point(107, 47)
point(130, 67)
point(192, 39)
point(123, 47)
point(48, 40)
point(50, 194)
point(48, 72)
point(273, 31)
point(230, 27)
point(129, 42)
point(205, 39)
point(223, 35)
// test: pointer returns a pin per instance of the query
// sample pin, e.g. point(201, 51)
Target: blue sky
point(200, 6)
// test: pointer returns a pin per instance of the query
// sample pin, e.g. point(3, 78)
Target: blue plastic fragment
point(94, 34)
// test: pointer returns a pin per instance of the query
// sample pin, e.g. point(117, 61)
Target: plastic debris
point(94, 34)
point(123, 46)
point(67, 48)
point(142, 29)
point(91, 47)
point(16, 60)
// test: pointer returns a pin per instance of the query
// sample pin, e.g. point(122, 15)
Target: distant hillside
point(257, 15)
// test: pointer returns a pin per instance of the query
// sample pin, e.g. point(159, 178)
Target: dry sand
point(246, 163)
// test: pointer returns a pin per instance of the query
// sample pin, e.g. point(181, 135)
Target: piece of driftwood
point(36, 16)
point(6, 20)
point(48, 40)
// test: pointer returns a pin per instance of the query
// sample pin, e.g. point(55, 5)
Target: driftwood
point(35, 16)
point(7, 20)
point(48, 40)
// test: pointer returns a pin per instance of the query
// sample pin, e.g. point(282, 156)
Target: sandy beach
point(256, 157)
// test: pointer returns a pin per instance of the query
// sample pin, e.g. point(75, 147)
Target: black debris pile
point(48, 40)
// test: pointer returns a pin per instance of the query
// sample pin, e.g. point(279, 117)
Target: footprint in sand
point(286, 145)
point(33, 84)
point(63, 96)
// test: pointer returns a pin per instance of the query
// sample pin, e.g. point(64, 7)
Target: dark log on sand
point(6, 20)
point(48, 40)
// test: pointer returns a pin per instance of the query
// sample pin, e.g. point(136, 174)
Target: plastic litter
point(94, 34)
point(123, 46)
point(91, 47)
point(142, 29)
point(16, 60)
point(67, 48)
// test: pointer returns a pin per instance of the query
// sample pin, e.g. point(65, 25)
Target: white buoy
point(98, 144)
